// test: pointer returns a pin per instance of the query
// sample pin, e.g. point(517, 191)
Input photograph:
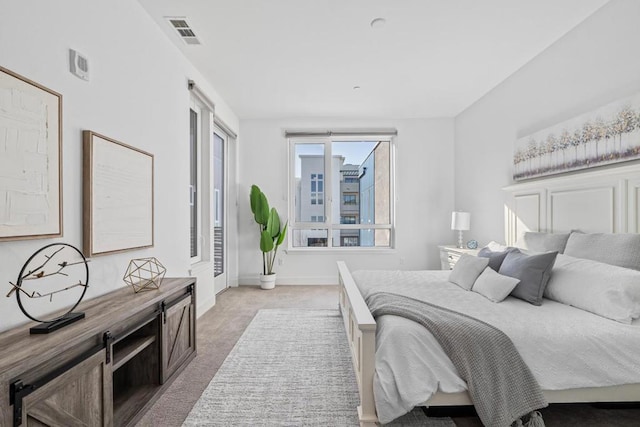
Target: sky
point(354, 152)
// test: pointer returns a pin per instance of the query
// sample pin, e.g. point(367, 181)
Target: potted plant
point(271, 236)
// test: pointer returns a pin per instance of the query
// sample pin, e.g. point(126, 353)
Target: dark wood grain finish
point(78, 397)
point(134, 319)
point(178, 336)
point(131, 349)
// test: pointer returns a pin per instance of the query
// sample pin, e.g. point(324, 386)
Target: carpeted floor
point(220, 328)
point(290, 368)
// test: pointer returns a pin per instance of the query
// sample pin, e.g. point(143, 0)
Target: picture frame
point(607, 135)
point(30, 159)
point(118, 196)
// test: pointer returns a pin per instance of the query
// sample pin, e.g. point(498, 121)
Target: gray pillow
point(467, 270)
point(532, 270)
point(622, 250)
point(544, 242)
point(495, 258)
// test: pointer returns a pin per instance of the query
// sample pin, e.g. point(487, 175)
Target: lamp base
point(460, 240)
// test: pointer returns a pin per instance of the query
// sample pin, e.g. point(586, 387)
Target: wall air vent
point(184, 30)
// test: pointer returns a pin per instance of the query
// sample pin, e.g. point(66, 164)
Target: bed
point(593, 345)
point(572, 386)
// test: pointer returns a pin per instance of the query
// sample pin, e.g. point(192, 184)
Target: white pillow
point(606, 290)
point(616, 249)
point(494, 285)
point(494, 246)
point(467, 270)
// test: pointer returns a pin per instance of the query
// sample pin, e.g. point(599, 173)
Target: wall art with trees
point(609, 134)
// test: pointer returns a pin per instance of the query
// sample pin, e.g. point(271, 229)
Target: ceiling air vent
point(180, 24)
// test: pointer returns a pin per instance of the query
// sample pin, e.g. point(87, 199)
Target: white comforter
point(564, 347)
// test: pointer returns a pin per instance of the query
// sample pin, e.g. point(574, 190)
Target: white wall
point(424, 190)
point(595, 63)
point(137, 94)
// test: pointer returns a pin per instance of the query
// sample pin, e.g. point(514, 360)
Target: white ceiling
point(302, 58)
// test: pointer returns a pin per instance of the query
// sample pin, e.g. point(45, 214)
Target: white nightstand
point(449, 255)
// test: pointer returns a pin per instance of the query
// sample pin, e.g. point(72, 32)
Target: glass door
point(219, 210)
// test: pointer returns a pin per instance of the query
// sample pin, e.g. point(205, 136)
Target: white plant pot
point(268, 281)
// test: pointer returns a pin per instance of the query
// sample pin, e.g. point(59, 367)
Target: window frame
point(330, 224)
point(195, 195)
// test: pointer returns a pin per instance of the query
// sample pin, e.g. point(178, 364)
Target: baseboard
point(253, 280)
point(204, 306)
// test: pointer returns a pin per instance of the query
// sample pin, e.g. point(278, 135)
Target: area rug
point(289, 368)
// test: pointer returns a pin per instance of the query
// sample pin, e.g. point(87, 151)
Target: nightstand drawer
point(448, 260)
point(449, 255)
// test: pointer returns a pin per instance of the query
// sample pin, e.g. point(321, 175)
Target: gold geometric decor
point(144, 274)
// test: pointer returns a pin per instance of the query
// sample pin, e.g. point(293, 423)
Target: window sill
point(342, 250)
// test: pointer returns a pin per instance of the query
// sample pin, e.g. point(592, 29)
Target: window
point(195, 218)
point(350, 241)
point(200, 192)
point(316, 241)
point(348, 219)
point(317, 188)
point(346, 185)
point(350, 199)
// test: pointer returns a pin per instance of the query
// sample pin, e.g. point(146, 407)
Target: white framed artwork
point(117, 196)
point(609, 134)
point(30, 159)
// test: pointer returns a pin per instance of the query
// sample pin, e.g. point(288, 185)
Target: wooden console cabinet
point(104, 370)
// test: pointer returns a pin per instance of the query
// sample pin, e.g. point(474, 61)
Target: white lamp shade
point(460, 220)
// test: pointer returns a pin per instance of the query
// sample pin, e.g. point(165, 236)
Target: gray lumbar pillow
point(532, 270)
point(543, 242)
point(495, 258)
point(622, 250)
point(467, 270)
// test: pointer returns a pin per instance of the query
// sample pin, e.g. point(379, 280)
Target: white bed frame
point(553, 205)
point(361, 333)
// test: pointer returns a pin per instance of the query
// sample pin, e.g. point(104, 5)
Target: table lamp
point(460, 221)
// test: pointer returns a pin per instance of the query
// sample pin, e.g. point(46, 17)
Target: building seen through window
point(350, 195)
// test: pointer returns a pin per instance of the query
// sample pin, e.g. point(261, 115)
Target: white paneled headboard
point(600, 201)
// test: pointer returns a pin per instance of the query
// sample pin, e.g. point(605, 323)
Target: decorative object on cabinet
point(450, 254)
point(609, 134)
point(58, 268)
point(31, 160)
point(472, 244)
point(144, 274)
point(460, 221)
point(117, 196)
point(271, 234)
point(106, 370)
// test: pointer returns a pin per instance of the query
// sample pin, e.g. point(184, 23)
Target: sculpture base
point(46, 327)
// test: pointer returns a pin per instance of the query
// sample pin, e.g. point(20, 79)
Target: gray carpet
point(289, 368)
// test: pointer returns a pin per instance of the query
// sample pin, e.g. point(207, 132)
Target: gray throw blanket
point(501, 386)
